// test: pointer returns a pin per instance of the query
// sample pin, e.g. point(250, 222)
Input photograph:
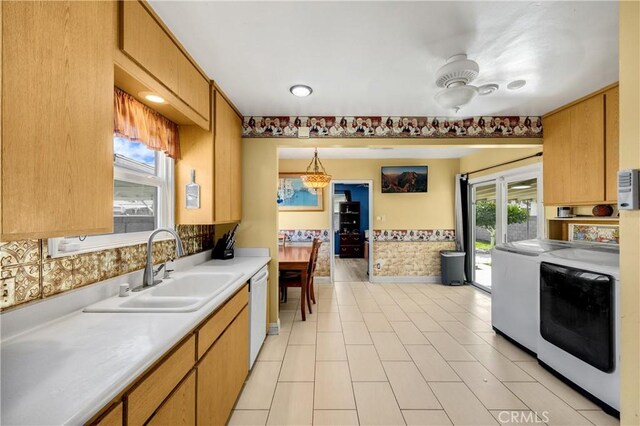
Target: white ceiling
point(381, 153)
point(380, 57)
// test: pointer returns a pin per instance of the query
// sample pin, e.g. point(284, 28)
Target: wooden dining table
point(296, 258)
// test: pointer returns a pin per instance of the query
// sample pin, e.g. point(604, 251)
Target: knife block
point(223, 254)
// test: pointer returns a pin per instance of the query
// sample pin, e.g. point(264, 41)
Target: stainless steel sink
point(187, 292)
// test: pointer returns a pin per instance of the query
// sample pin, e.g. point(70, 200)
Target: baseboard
point(322, 280)
point(421, 279)
point(274, 327)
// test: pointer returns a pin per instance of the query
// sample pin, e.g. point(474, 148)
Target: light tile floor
point(396, 354)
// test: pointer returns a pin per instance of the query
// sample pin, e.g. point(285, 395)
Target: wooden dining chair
point(315, 249)
point(294, 279)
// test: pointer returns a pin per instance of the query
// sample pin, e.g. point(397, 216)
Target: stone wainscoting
point(408, 259)
point(323, 268)
point(396, 252)
point(28, 273)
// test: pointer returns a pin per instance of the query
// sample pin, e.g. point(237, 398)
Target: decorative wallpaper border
point(305, 235)
point(414, 235)
point(394, 127)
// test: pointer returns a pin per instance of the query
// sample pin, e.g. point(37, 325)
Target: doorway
point(351, 220)
point(505, 207)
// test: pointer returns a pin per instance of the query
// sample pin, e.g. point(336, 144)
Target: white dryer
point(579, 312)
point(515, 279)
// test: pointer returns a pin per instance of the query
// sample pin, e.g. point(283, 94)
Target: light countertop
point(66, 370)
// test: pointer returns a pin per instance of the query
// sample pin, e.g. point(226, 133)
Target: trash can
point(452, 267)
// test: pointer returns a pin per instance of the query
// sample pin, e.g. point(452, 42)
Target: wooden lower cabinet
point(180, 408)
point(113, 417)
point(222, 371)
point(149, 393)
point(184, 388)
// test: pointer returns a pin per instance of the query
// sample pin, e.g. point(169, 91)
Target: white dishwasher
point(257, 313)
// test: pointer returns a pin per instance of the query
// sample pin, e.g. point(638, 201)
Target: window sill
point(55, 253)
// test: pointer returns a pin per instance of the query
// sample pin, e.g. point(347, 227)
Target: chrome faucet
point(149, 273)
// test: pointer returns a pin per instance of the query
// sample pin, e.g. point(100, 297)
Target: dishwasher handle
point(260, 276)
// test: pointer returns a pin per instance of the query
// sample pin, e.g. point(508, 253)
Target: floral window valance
point(136, 121)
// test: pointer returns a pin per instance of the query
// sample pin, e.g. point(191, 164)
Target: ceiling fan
point(455, 77)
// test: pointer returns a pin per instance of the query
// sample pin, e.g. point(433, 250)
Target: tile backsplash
point(27, 273)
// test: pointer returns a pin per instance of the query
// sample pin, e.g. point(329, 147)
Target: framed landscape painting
point(404, 179)
point(294, 196)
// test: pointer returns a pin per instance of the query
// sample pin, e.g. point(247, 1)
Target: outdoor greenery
point(486, 216)
point(481, 245)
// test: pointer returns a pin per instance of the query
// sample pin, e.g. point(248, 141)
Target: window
point(143, 198)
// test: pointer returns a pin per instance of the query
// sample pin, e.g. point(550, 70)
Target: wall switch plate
point(303, 132)
point(629, 189)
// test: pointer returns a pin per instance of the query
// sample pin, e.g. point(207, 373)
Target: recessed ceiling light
point(300, 90)
point(516, 84)
point(152, 97)
point(521, 187)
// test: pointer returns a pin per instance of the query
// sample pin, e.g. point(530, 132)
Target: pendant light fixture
point(316, 176)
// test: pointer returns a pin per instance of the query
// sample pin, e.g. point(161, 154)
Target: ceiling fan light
point(457, 70)
point(456, 97)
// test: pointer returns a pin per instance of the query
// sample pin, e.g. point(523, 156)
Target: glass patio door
point(484, 228)
point(522, 210)
point(504, 209)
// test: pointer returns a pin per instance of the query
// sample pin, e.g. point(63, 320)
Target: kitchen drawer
point(145, 398)
point(113, 417)
point(180, 408)
point(350, 239)
point(215, 325)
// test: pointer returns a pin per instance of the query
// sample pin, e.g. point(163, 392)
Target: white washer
point(579, 312)
point(515, 279)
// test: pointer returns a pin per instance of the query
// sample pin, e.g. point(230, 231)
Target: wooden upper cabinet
point(581, 151)
point(193, 88)
point(145, 40)
point(216, 156)
point(57, 119)
point(612, 143)
point(587, 151)
point(228, 162)
point(196, 153)
point(557, 137)
point(236, 171)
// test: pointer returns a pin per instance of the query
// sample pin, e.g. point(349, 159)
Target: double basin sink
point(187, 292)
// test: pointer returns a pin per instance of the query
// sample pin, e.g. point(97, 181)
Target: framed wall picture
point(404, 179)
point(294, 196)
